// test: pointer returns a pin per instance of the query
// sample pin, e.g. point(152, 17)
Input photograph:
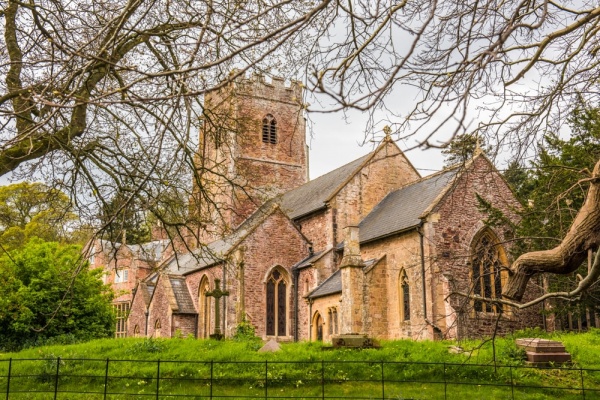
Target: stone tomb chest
point(544, 352)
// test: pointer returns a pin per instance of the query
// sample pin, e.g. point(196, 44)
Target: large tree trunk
point(583, 234)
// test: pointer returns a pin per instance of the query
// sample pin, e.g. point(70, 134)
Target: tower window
point(269, 129)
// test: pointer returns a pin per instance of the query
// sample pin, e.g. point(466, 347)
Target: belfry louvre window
point(269, 129)
point(276, 304)
point(121, 311)
point(487, 261)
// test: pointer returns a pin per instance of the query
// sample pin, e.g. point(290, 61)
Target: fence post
point(106, 379)
point(382, 382)
point(512, 383)
point(445, 382)
point(323, 379)
point(56, 378)
point(8, 377)
point(582, 385)
point(211, 379)
point(157, 378)
point(266, 379)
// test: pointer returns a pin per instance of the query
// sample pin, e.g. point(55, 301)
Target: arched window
point(203, 308)
point(276, 304)
point(404, 295)
point(136, 331)
point(269, 129)
point(487, 260)
point(330, 321)
point(157, 328)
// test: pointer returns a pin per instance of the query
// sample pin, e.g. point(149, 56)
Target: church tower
point(252, 147)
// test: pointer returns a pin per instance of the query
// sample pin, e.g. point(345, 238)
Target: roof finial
point(478, 150)
point(388, 131)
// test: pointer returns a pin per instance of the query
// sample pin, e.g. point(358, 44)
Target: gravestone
point(544, 352)
point(353, 340)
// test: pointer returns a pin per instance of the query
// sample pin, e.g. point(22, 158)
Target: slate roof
point(151, 251)
point(185, 305)
point(312, 195)
point(331, 285)
point(308, 261)
point(401, 209)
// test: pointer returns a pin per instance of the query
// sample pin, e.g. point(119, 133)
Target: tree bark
point(584, 234)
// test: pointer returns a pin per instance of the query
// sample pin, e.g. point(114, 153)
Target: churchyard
point(204, 369)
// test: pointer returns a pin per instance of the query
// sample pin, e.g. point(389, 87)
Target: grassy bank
point(197, 368)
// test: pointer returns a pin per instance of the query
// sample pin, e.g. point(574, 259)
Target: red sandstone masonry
point(160, 310)
point(460, 220)
point(262, 170)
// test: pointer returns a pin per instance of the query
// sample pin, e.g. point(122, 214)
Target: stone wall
point(137, 314)
point(275, 243)
point(307, 280)
point(402, 253)
point(184, 325)
point(323, 306)
point(459, 221)
point(318, 229)
point(160, 309)
point(233, 144)
point(387, 171)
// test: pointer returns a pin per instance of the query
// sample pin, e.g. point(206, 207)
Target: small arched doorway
point(157, 329)
point(317, 327)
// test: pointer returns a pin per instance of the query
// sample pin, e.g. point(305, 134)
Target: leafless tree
point(510, 71)
point(103, 94)
point(101, 98)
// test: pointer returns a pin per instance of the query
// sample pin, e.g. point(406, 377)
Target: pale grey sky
point(336, 141)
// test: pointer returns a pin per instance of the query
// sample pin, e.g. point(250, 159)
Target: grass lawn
point(233, 369)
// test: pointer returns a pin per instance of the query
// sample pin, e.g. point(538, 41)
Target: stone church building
point(370, 248)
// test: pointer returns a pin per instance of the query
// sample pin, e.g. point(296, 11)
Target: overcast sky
point(336, 142)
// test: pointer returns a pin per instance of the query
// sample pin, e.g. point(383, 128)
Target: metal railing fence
point(64, 378)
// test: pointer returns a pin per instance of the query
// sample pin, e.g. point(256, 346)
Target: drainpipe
point(310, 319)
point(146, 329)
point(295, 276)
point(422, 240)
point(196, 327)
point(224, 313)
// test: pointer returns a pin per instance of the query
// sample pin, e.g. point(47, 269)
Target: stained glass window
point(276, 304)
point(487, 272)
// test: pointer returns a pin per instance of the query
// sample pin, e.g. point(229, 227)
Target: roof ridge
point(338, 168)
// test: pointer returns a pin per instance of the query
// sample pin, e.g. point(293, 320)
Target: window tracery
point(276, 304)
point(486, 271)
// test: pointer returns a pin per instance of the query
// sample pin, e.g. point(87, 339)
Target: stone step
point(548, 357)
